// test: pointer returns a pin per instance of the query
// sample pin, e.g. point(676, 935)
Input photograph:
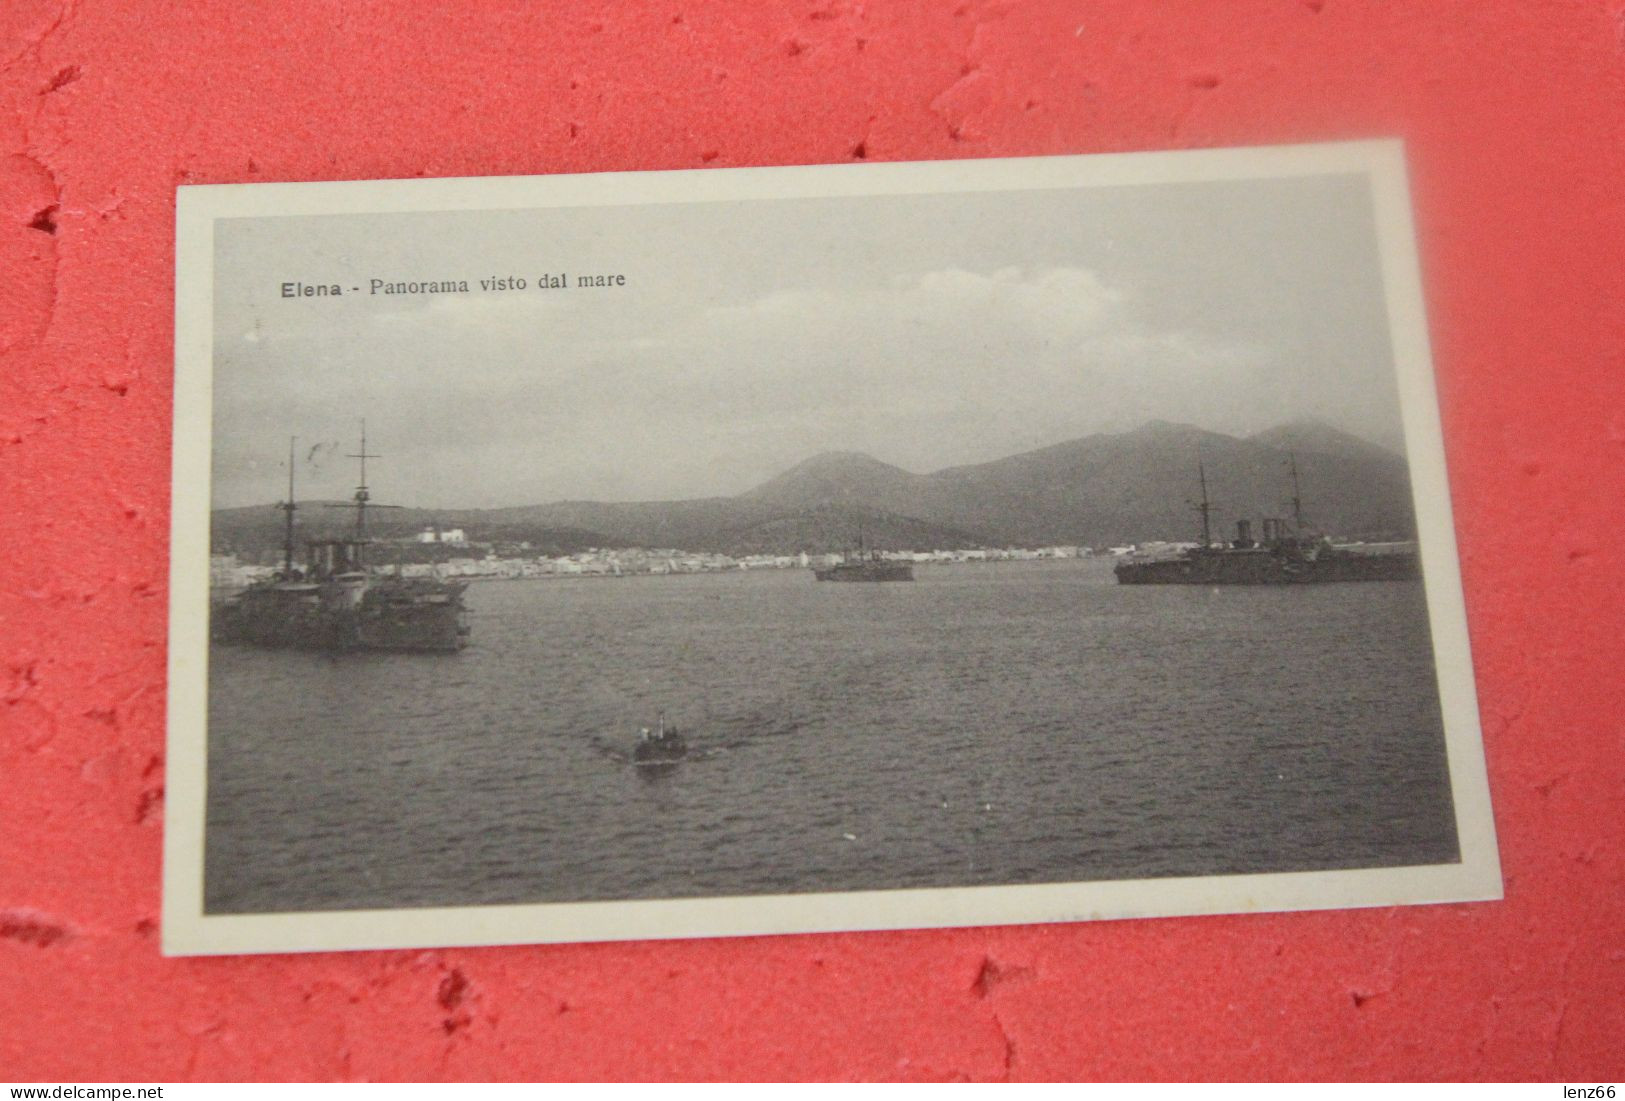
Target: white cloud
point(646, 395)
point(920, 366)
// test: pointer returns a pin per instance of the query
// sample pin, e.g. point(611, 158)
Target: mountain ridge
point(1096, 490)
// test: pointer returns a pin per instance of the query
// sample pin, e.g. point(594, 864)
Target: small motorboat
point(663, 745)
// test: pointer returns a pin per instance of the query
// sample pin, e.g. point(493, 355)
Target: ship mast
point(288, 508)
point(361, 501)
point(1206, 507)
point(361, 495)
point(1297, 495)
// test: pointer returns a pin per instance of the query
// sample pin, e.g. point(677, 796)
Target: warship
point(335, 601)
point(1283, 556)
point(865, 566)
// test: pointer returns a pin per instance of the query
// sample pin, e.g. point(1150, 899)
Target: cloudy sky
point(928, 331)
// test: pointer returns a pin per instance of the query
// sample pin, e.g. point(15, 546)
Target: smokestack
point(1244, 533)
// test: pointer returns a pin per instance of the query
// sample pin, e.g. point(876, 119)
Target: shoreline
point(222, 592)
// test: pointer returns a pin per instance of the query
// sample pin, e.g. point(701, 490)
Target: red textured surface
point(1516, 117)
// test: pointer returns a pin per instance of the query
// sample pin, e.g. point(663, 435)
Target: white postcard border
point(187, 930)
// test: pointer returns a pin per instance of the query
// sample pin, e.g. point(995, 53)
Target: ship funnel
point(1244, 533)
point(1274, 529)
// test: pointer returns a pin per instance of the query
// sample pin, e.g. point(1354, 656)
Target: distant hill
point(1139, 485)
point(1104, 489)
point(257, 531)
point(1124, 487)
point(1316, 437)
point(845, 478)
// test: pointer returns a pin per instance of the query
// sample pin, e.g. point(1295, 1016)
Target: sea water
point(1019, 722)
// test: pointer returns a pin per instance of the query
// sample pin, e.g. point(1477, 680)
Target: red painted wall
point(1516, 117)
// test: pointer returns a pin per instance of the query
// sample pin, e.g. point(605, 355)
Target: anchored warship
point(865, 566)
point(335, 601)
point(1282, 556)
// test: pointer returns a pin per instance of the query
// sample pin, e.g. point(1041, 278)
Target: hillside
point(1139, 485)
point(1099, 490)
point(1125, 487)
point(842, 478)
point(1316, 437)
point(258, 530)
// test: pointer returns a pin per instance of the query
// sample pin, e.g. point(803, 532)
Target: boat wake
point(715, 739)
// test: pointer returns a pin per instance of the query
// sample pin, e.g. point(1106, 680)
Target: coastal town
point(452, 555)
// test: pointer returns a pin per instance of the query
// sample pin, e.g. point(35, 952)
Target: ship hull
point(867, 571)
point(1224, 568)
point(654, 754)
point(418, 619)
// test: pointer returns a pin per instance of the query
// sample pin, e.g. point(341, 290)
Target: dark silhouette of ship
point(1300, 555)
point(661, 746)
point(334, 601)
point(865, 565)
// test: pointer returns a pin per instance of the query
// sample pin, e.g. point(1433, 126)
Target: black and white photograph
point(777, 550)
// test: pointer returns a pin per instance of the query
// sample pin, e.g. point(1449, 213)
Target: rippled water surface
point(1002, 723)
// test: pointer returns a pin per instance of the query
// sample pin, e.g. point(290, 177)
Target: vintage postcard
point(790, 549)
